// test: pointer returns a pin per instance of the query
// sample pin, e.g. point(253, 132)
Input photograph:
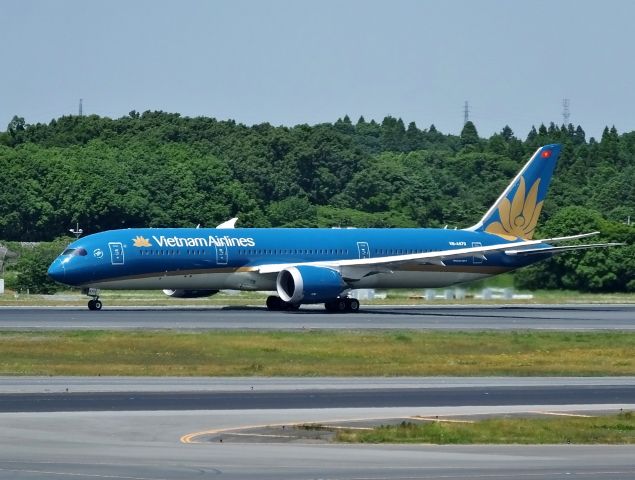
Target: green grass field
point(316, 353)
point(613, 429)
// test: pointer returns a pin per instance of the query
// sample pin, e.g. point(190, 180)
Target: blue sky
point(290, 62)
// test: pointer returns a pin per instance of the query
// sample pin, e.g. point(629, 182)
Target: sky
point(290, 62)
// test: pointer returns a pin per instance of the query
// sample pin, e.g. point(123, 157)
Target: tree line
point(162, 169)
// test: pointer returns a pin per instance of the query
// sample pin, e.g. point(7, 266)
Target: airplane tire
point(352, 305)
point(291, 307)
point(274, 303)
point(91, 305)
point(341, 305)
point(98, 305)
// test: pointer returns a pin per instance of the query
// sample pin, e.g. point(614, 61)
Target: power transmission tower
point(466, 113)
point(565, 111)
point(81, 111)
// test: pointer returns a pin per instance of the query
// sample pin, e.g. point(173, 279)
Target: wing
point(360, 267)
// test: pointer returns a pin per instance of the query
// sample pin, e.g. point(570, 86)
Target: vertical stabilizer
point(515, 213)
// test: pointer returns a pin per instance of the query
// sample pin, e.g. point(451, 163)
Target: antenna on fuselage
point(76, 231)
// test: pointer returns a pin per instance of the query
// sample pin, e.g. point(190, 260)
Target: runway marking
point(563, 414)
point(337, 427)
point(494, 475)
point(258, 435)
point(190, 438)
point(437, 419)
point(71, 474)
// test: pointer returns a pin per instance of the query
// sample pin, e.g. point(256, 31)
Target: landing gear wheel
point(274, 303)
point(342, 305)
point(94, 304)
point(352, 305)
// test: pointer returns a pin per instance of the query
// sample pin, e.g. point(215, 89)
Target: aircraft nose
point(56, 271)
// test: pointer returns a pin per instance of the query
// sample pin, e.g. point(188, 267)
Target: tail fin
point(515, 213)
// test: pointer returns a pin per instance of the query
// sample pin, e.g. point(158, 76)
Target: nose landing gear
point(94, 303)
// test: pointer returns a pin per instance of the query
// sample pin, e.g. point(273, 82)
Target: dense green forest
point(162, 169)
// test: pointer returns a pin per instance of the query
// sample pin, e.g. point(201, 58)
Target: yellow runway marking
point(337, 427)
point(564, 414)
point(444, 420)
point(191, 438)
point(258, 435)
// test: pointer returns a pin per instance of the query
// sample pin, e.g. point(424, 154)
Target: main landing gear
point(342, 305)
point(276, 304)
point(338, 305)
point(94, 303)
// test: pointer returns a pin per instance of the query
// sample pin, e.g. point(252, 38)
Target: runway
point(149, 445)
point(475, 317)
point(72, 428)
point(318, 399)
point(146, 446)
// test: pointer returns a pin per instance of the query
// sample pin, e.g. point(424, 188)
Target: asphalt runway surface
point(473, 317)
point(154, 445)
point(133, 428)
point(319, 399)
point(148, 446)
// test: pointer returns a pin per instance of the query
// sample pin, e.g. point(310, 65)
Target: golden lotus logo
point(140, 241)
point(518, 218)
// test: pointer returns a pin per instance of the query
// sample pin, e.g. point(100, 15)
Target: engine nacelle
point(189, 293)
point(308, 284)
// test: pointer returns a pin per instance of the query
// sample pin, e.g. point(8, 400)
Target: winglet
point(515, 214)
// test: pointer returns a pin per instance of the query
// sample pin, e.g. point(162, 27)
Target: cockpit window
point(75, 251)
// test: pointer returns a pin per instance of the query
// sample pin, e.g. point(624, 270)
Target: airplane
point(319, 265)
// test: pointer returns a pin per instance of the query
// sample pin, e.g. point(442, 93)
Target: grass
point(613, 429)
point(316, 353)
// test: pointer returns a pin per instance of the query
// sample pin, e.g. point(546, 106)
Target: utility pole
point(565, 111)
point(76, 231)
point(466, 113)
point(81, 111)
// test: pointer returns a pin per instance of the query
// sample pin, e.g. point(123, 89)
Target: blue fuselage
point(171, 258)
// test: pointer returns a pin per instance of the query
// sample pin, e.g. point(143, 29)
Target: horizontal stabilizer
point(554, 250)
point(570, 237)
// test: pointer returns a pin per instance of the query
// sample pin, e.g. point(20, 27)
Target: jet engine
point(308, 284)
point(189, 293)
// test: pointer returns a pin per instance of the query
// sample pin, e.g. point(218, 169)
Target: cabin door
point(363, 249)
point(116, 253)
point(477, 260)
point(221, 255)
